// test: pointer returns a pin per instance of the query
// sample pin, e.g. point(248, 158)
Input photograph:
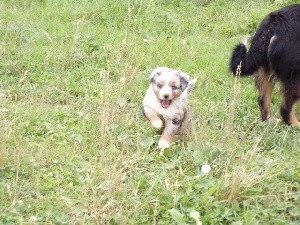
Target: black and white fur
point(274, 55)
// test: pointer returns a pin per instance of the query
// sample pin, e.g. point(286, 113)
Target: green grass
point(75, 147)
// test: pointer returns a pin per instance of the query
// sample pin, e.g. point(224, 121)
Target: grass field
point(75, 147)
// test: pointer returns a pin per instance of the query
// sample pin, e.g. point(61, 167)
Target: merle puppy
point(167, 99)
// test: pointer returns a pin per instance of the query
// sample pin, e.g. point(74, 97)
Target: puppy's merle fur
point(167, 96)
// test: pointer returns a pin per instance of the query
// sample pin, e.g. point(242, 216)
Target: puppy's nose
point(166, 96)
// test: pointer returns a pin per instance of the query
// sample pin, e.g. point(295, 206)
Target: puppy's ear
point(155, 73)
point(191, 84)
point(184, 80)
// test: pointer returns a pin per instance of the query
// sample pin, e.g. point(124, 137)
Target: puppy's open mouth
point(165, 103)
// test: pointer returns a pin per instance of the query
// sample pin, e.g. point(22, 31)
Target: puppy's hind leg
point(171, 128)
point(152, 116)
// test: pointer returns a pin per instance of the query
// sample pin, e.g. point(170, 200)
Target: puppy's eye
point(174, 88)
point(159, 85)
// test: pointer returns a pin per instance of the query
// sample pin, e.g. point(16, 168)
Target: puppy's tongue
point(165, 103)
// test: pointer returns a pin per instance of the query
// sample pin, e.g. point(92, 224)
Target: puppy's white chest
point(175, 110)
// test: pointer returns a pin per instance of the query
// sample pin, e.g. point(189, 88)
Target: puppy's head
point(168, 84)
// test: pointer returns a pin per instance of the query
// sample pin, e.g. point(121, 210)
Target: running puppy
point(274, 55)
point(167, 96)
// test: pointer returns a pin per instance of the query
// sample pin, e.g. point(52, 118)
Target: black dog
point(274, 55)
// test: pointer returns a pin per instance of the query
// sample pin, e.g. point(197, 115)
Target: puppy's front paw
point(158, 124)
point(163, 143)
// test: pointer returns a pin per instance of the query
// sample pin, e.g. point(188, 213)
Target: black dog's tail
point(246, 63)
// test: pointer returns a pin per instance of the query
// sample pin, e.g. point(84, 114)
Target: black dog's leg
point(287, 108)
point(265, 84)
